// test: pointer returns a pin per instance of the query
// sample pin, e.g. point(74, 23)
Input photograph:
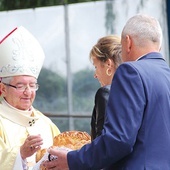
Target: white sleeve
point(20, 163)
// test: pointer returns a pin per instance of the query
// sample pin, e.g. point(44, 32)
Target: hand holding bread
point(71, 140)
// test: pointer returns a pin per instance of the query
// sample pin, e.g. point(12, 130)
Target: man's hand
point(31, 145)
point(57, 164)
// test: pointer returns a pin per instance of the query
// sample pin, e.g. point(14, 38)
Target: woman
point(106, 57)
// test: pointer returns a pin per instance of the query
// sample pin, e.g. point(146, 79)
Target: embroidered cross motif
point(31, 122)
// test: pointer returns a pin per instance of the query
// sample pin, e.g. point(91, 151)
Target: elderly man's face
point(20, 99)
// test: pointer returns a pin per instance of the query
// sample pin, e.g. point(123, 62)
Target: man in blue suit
point(136, 134)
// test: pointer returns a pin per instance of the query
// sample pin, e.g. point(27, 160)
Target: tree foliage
point(53, 83)
point(6, 5)
point(84, 83)
point(52, 94)
point(84, 88)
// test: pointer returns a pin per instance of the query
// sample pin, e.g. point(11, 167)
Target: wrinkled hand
point(57, 164)
point(31, 145)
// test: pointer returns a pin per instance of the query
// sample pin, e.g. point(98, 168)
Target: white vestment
point(15, 126)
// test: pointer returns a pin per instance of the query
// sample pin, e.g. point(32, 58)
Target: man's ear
point(128, 43)
point(2, 89)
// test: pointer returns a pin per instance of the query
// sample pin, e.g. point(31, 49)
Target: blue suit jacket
point(136, 134)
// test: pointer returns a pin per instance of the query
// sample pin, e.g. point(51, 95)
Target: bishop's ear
point(2, 90)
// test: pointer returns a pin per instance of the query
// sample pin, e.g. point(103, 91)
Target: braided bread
point(69, 139)
point(72, 139)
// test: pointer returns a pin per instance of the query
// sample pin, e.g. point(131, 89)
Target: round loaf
point(69, 139)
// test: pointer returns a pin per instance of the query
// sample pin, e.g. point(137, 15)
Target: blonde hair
point(108, 47)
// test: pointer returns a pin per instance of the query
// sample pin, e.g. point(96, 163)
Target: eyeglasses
point(22, 87)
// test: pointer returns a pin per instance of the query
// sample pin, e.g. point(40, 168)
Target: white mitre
point(20, 54)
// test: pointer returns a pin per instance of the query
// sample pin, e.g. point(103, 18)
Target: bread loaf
point(72, 139)
point(69, 139)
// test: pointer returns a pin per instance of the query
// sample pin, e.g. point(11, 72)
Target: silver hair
point(6, 79)
point(143, 29)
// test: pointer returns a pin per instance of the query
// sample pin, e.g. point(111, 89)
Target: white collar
point(24, 118)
